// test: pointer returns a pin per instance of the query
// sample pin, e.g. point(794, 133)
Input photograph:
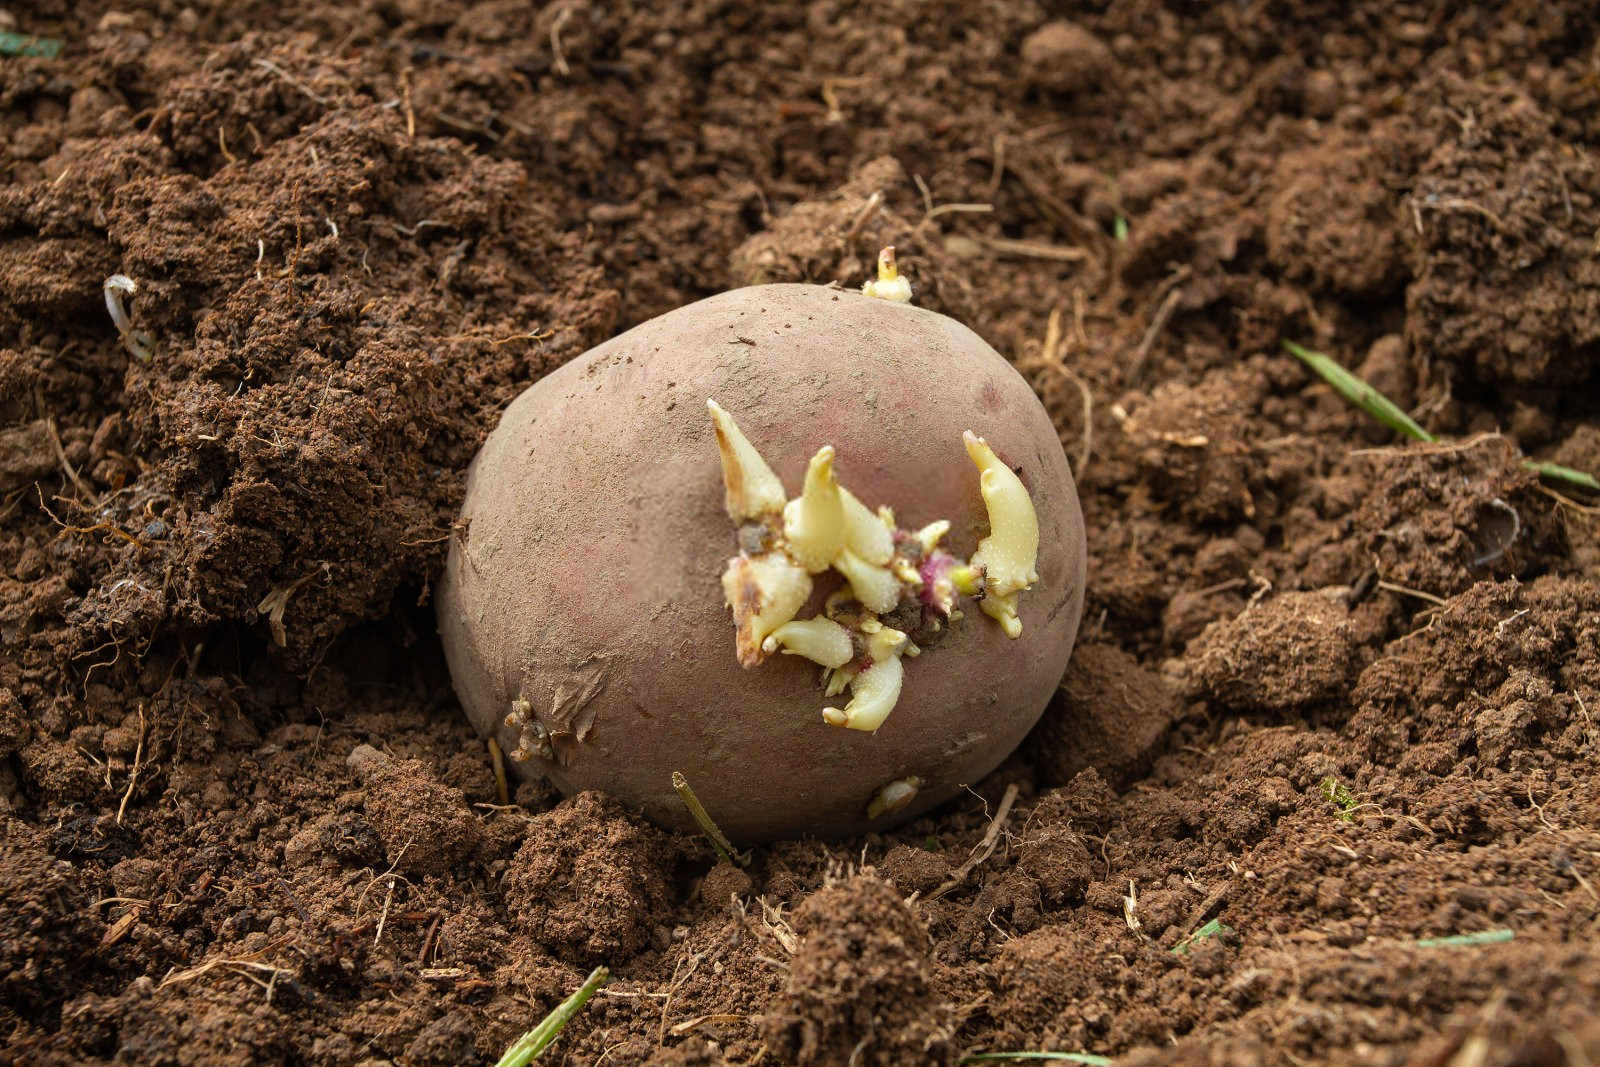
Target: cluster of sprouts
point(896, 584)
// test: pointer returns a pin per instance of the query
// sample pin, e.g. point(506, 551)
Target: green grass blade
point(531, 1044)
point(1385, 411)
point(1214, 928)
point(1482, 937)
point(1557, 473)
point(22, 44)
point(1059, 1057)
point(1358, 392)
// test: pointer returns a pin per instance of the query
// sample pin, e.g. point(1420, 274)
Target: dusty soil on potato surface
point(1361, 679)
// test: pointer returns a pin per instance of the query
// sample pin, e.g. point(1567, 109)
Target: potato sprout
point(886, 570)
point(890, 284)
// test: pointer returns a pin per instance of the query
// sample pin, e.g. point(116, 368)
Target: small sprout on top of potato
point(886, 570)
point(890, 284)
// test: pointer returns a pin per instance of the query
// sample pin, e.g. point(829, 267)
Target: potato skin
point(586, 576)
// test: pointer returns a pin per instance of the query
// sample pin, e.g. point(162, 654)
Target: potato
point(582, 608)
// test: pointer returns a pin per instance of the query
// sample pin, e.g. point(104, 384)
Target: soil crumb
point(860, 984)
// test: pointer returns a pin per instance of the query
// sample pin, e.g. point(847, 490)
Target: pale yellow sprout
point(874, 691)
point(907, 572)
point(875, 587)
point(838, 679)
point(764, 592)
point(820, 640)
point(930, 535)
point(890, 284)
point(814, 522)
point(828, 526)
point(750, 488)
point(866, 534)
point(1009, 554)
point(894, 796)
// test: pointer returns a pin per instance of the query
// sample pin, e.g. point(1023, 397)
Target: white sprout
point(138, 343)
point(876, 688)
point(866, 534)
point(894, 796)
point(765, 592)
point(820, 640)
point(814, 522)
point(1010, 552)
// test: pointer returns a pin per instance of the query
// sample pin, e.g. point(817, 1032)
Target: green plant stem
point(1482, 937)
point(1358, 392)
point(535, 1041)
point(1387, 412)
point(708, 826)
point(23, 44)
point(1556, 472)
point(1214, 928)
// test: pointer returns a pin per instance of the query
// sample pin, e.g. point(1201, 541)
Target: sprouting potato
point(745, 541)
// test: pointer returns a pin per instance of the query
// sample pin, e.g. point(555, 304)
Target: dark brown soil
point(1337, 694)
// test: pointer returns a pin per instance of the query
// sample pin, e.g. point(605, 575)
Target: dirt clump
point(47, 933)
point(1506, 289)
point(1110, 714)
point(1440, 521)
point(1064, 57)
point(1056, 858)
point(589, 880)
point(1331, 222)
point(1284, 653)
point(1047, 982)
point(1503, 672)
point(860, 984)
point(425, 827)
point(1200, 453)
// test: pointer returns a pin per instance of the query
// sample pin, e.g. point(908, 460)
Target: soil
point(1334, 700)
